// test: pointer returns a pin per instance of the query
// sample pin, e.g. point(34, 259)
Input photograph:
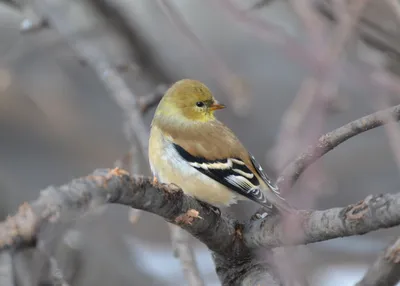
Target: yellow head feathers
point(188, 100)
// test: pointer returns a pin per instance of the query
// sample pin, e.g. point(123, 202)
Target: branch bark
point(386, 269)
point(373, 213)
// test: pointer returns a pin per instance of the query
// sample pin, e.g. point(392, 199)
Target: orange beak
point(216, 105)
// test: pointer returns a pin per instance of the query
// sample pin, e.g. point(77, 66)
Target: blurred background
point(289, 71)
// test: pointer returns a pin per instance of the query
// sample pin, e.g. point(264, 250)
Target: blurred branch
point(232, 84)
point(6, 269)
point(331, 140)
point(152, 99)
point(12, 3)
point(55, 272)
point(395, 5)
point(372, 30)
point(386, 269)
point(180, 242)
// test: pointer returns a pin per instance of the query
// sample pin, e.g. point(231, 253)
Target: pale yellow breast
point(169, 167)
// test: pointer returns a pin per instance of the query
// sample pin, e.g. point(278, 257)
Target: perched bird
point(190, 148)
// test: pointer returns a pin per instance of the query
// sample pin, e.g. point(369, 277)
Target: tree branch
point(386, 269)
point(116, 186)
point(331, 140)
point(372, 213)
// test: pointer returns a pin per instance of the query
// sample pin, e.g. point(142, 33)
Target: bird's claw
point(261, 215)
point(214, 209)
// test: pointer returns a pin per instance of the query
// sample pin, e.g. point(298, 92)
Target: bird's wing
point(264, 176)
point(230, 172)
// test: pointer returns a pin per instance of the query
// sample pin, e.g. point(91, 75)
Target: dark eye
point(200, 104)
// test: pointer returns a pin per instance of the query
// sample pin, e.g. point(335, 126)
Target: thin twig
point(332, 139)
point(152, 99)
point(395, 6)
point(312, 22)
point(180, 241)
point(272, 33)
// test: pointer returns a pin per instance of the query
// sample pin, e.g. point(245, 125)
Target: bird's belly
point(173, 169)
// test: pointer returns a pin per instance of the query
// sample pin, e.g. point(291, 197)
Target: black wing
point(230, 172)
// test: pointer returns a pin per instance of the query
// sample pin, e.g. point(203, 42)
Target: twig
point(386, 269)
point(386, 80)
point(274, 33)
point(152, 99)
point(180, 241)
point(55, 273)
point(332, 139)
point(395, 6)
point(311, 21)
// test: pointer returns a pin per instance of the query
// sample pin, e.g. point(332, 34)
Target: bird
point(190, 148)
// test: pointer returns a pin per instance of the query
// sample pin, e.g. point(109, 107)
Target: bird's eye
point(200, 104)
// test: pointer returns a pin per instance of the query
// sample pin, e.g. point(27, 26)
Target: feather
point(230, 172)
point(264, 176)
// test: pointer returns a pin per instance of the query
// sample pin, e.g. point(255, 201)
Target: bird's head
point(190, 100)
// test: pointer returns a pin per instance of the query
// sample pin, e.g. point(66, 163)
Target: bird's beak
point(216, 105)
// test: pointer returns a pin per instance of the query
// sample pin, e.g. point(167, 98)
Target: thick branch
point(116, 186)
point(331, 140)
point(386, 269)
point(373, 213)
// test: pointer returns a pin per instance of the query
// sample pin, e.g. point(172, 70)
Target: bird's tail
point(276, 202)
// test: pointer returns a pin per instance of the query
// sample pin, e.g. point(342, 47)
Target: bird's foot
point(262, 213)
